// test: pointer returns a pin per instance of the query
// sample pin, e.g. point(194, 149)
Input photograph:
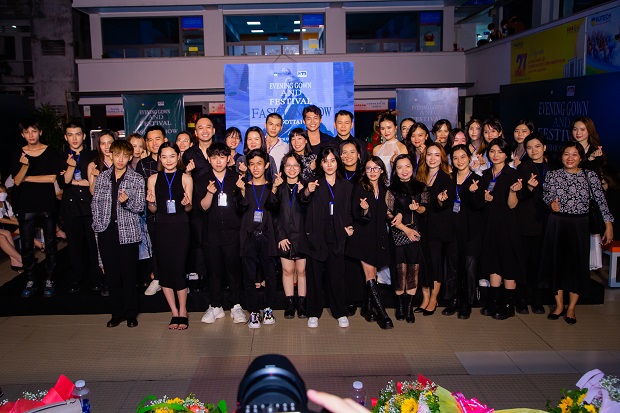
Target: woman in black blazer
point(369, 243)
point(328, 224)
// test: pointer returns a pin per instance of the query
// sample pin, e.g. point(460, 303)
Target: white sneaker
point(313, 322)
point(268, 317)
point(238, 315)
point(212, 314)
point(343, 322)
point(153, 288)
point(254, 320)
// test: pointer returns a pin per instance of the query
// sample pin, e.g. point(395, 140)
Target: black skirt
point(566, 253)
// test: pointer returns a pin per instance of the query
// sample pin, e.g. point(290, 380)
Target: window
point(152, 37)
point(394, 32)
point(274, 35)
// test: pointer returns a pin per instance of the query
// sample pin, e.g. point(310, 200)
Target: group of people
point(436, 214)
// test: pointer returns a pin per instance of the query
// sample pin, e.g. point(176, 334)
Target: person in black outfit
point(290, 235)
point(76, 211)
point(343, 122)
point(328, 224)
point(169, 197)
point(220, 201)
point(35, 168)
point(299, 143)
point(369, 243)
point(501, 241)
point(532, 215)
point(117, 204)
point(584, 132)
point(313, 116)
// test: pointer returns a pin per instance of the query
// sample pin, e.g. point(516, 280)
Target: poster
point(428, 105)
point(253, 91)
point(555, 53)
point(166, 110)
point(603, 42)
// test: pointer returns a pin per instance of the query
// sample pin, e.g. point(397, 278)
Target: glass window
point(274, 35)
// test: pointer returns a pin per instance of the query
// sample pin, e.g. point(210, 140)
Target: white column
point(448, 28)
point(335, 29)
point(214, 36)
point(96, 40)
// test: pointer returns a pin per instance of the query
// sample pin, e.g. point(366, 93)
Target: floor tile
point(487, 362)
point(584, 361)
point(540, 362)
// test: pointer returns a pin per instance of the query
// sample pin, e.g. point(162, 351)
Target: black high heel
point(552, 316)
point(18, 269)
point(429, 312)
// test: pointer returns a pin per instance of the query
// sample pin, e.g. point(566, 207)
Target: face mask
point(3, 196)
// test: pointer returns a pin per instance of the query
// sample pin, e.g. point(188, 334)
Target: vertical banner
point(603, 42)
point(253, 91)
point(166, 110)
point(428, 105)
point(551, 54)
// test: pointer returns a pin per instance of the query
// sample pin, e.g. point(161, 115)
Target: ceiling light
point(14, 27)
point(257, 31)
point(253, 23)
point(296, 22)
point(296, 30)
point(303, 30)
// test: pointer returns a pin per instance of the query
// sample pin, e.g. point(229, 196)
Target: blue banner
point(428, 105)
point(142, 111)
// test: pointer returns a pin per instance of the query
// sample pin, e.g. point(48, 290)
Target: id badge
point(222, 199)
point(258, 216)
point(457, 207)
point(77, 175)
point(491, 186)
point(171, 206)
point(331, 208)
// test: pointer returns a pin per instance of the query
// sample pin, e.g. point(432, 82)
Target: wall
point(488, 67)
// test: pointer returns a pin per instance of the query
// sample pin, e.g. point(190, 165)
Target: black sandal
point(183, 321)
point(174, 321)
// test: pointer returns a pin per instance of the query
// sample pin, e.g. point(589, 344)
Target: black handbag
point(597, 223)
point(400, 238)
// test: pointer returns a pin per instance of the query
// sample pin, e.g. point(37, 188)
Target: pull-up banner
point(142, 111)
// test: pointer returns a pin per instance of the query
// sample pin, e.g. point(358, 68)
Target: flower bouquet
point(62, 391)
point(407, 397)
point(190, 404)
point(597, 393)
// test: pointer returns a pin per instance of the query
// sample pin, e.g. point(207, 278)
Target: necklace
point(291, 187)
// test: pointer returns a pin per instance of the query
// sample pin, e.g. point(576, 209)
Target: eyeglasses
point(291, 166)
point(373, 169)
point(183, 141)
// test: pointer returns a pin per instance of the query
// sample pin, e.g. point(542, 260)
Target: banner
point(166, 110)
point(428, 105)
point(554, 104)
point(253, 91)
point(554, 53)
point(603, 42)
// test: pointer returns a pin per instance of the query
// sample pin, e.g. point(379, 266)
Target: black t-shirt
point(76, 199)
point(37, 197)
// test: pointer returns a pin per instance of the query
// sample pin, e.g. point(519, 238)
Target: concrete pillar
point(335, 29)
point(448, 28)
point(96, 40)
point(214, 35)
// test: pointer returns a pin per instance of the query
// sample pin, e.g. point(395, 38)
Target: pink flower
point(399, 387)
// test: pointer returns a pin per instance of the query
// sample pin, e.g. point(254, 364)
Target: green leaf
point(141, 406)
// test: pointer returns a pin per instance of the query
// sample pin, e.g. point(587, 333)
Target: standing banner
point(253, 91)
point(603, 42)
point(428, 105)
point(554, 53)
point(166, 110)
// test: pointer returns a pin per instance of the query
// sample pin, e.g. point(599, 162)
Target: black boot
point(383, 319)
point(537, 304)
point(507, 309)
point(464, 311)
point(301, 307)
point(409, 314)
point(451, 308)
point(400, 307)
point(490, 308)
point(289, 309)
point(368, 310)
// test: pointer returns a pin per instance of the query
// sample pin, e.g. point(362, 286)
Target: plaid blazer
point(127, 214)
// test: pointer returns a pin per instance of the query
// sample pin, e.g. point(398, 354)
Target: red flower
point(399, 387)
point(373, 401)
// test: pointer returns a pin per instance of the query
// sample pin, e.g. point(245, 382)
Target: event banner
point(603, 42)
point(428, 105)
point(166, 110)
point(551, 54)
point(554, 104)
point(253, 91)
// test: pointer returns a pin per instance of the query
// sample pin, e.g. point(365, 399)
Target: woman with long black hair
point(584, 132)
point(369, 243)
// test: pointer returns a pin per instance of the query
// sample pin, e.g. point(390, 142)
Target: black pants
point(196, 259)
point(355, 280)
point(82, 249)
point(251, 264)
point(444, 259)
point(119, 264)
point(333, 267)
point(529, 292)
point(224, 267)
point(27, 225)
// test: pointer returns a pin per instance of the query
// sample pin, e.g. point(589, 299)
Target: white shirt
point(277, 152)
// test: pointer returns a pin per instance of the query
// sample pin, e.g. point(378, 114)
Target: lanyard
point(330, 190)
point(170, 183)
point(458, 188)
point(432, 180)
point(220, 184)
point(258, 200)
point(77, 159)
point(349, 177)
point(495, 176)
point(293, 192)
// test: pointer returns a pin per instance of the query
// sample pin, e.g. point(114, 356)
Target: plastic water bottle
point(358, 394)
point(81, 392)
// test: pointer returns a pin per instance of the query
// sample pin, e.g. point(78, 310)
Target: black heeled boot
point(383, 319)
point(289, 309)
point(507, 309)
point(368, 310)
point(400, 307)
point(490, 308)
point(301, 307)
point(452, 308)
point(409, 313)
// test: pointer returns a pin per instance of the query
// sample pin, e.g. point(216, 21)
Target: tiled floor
point(520, 362)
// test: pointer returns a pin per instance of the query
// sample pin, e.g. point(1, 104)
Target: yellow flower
point(175, 400)
point(590, 408)
point(580, 399)
point(409, 406)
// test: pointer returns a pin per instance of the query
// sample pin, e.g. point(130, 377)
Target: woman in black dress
point(404, 209)
point(566, 247)
point(523, 128)
point(169, 197)
point(501, 241)
point(369, 243)
point(290, 234)
point(584, 132)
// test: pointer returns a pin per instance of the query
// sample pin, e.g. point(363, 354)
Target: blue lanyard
point(349, 177)
point(495, 176)
point(220, 184)
point(170, 183)
point(258, 200)
point(330, 190)
point(293, 196)
point(432, 180)
point(458, 188)
point(77, 160)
